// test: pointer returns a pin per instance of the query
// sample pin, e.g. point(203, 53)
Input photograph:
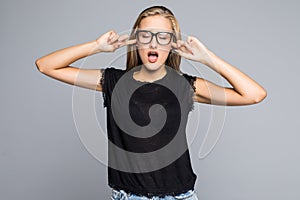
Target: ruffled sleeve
point(191, 80)
point(108, 80)
point(102, 83)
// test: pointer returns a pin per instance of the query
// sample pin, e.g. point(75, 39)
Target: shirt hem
point(151, 192)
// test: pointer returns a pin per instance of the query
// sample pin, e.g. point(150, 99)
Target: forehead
point(156, 22)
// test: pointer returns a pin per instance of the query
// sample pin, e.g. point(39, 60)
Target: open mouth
point(152, 56)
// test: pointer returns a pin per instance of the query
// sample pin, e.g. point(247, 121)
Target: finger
point(123, 37)
point(183, 54)
point(190, 39)
point(116, 46)
point(113, 37)
point(111, 34)
point(188, 47)
point(185, 47)
point(179, 43)
point(174, 45)
point(194, 42)
point(182, 47)
point(128, 42)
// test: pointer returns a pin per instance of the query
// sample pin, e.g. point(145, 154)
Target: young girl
point(154, 52)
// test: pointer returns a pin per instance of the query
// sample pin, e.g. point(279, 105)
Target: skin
point(244, 90)
point(153, 71)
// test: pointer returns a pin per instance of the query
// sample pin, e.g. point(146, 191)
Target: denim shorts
point(122, 195)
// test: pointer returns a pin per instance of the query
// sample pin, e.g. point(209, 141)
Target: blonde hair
point(133, 58)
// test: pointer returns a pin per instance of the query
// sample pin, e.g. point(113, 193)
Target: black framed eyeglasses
point(162, 38)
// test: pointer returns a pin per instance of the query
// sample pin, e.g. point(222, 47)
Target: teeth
point(152, 53)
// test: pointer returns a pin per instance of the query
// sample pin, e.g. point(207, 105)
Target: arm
point(244, 91)
point(57, 64)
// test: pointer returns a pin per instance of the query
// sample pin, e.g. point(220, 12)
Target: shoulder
point(110, 76)
point(190, 78)
point(113, 71)
point(108, 80)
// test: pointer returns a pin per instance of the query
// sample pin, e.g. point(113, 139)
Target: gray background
point(41, 155)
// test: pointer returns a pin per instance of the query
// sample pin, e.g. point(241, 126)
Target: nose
point(153, 43)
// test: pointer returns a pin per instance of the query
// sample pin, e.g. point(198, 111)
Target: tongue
point(152, 58)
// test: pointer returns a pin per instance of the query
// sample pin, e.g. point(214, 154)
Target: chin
point(153, 60)
point(153, 66)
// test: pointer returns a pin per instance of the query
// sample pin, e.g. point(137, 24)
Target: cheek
point(142, 52)
point(164, 55)
point(164, 51)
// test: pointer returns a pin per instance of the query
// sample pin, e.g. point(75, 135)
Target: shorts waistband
point(122, 195)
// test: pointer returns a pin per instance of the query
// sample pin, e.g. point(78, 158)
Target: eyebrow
point(156, 31)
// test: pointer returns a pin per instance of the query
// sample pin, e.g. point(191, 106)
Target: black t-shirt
point(148, 153)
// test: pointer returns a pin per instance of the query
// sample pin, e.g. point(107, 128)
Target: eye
point(164, 36)
point(145, 34)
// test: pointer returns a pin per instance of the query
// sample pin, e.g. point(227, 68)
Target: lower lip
point(152, 59)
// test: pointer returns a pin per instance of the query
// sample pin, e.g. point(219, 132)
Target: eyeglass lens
point(146, 37)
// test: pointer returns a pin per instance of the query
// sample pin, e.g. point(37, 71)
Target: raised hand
point(111, 41)
point(192, 49)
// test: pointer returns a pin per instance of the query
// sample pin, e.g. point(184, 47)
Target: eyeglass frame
point(155, 34)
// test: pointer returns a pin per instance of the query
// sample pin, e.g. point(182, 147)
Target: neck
point(147, 75)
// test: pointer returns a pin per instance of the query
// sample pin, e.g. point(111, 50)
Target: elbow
point(38, 64)
point(261, 96)
point(256, 98)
